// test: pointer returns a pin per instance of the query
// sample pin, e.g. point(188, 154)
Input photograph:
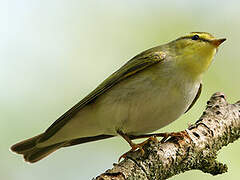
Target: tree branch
point(218, 126)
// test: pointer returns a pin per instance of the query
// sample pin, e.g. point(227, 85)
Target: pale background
point(53, 53)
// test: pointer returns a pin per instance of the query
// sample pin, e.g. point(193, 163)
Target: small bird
point(147, 93)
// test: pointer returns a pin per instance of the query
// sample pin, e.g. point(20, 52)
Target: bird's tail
point(32, 153)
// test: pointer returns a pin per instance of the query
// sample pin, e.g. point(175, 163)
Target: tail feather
point(87, 139)
point(36, 154)
point(25, 145)
point(32, 153)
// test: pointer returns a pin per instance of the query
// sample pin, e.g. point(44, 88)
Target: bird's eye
point(195, 37)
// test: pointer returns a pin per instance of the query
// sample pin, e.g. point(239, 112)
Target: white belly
point(145, 105)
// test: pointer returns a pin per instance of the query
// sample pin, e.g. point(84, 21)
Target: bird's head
point(195, 51)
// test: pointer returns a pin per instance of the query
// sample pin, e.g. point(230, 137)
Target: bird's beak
point(217, 42)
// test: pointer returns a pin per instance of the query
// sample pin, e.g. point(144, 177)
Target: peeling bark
point(218, 126)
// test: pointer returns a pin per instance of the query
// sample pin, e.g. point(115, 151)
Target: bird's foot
point(178, 135)
point(138, 146)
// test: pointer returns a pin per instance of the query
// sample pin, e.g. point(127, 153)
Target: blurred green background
point(54, 52)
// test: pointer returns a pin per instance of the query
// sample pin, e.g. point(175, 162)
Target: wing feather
point(136, 64)
point(196, 98)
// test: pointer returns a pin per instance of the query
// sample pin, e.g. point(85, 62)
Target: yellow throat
point(195, 51)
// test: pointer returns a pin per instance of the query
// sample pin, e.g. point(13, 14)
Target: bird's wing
point(136, 64)
point(196, 97)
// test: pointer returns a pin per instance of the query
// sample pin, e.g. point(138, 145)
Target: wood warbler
point(147, 93)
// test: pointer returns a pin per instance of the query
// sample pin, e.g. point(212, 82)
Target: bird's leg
point(165, 136)
point(151, 137)
point(133, 145)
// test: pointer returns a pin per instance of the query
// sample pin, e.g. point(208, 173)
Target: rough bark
point(218, 126)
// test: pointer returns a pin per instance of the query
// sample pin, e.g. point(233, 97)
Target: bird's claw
point(138, 146)
point(134, 148)
point(179, 135)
